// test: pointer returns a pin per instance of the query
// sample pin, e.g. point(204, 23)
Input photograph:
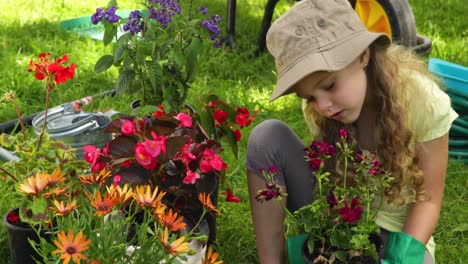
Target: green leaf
point(207, 122)
point(192, 59)
point(231, 139)
point(311, 245)
point(156, 76)
point(341, 255)
point(112, 3)
point(124, 80)
point(339, 239)
point(104, 63)
point(121, 46)
point(110, 33)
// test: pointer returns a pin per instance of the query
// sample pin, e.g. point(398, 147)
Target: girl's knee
point(268, 132)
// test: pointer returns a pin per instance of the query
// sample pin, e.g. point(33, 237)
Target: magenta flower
point(144, 158)
point(156, 146)
point(191, 177)
point(159, 113)
point(351, 213)
point(185, 155)
point(91, 155)
point(343, 134)
point(185, 120)
point(271, 191)
point(210, 161)
point(273, 169)
point(117, 180)
point(331, 199)
point(128, 128)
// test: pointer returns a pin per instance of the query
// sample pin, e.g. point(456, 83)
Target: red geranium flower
point(230, 197)
point(351, 213)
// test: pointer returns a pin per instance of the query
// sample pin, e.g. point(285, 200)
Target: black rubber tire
point(402, 21)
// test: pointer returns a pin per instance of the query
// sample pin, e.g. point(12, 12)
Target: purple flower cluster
point(108, 15)
point(134, 23)
point(203, 10)
point(317, 151)
point(211, 24)
point(164, 14)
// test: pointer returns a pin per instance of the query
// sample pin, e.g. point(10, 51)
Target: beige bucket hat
point(316, 35)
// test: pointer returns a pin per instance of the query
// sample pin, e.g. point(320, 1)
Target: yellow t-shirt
point(430, 116)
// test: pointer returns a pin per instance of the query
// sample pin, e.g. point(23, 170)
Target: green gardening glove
point(402, 248)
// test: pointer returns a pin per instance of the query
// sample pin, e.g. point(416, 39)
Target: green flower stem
point(199, 221)
point(382, 193)
point(20, 119)
point(9, 174)
point(49, 88)
point(345, 173)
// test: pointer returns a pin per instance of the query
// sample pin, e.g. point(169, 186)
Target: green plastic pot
point(294, 247)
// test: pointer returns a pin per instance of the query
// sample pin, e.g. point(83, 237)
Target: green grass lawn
point(30, 27)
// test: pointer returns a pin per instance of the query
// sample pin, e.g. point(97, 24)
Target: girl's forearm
point(422, 220)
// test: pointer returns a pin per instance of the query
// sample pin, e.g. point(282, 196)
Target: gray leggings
point(272, 142)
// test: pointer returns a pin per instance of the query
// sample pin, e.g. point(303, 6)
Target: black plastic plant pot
point(19, 234)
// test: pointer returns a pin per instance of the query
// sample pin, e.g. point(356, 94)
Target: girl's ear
point(365, 57)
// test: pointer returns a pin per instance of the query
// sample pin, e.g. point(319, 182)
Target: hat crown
point(311, 26)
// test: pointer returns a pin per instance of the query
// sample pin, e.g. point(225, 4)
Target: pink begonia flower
point(191, 177)
point(128, 128)
point(185, 155)
point(91, 155)
point(144, 158)
point(211, 161)
point(185, 120)
point(160, 113)
point(117, 180)
point(154, 147)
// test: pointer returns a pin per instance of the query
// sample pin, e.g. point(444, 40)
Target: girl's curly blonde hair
point(389, 80)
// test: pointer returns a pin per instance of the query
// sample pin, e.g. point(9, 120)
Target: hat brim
point(333, 59)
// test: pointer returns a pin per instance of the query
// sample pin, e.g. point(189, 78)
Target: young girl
point(351, 78)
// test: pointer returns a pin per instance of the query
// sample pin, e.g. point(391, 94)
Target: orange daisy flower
point(95, 177)
point(147, 198)
point(176, 247)
point(159, 210)
point(172, 221)
point(62, 209)
point(105, 206)
point(121, 195)
point(70, 247)
point(56, 177)
point(205, 199)
point(211, 257)
point(55, 192)
point(35, 184)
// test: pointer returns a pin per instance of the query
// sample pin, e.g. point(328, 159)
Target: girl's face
point(338, 95)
